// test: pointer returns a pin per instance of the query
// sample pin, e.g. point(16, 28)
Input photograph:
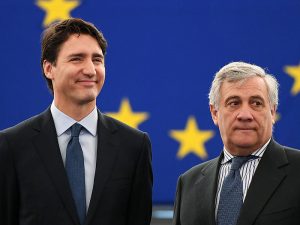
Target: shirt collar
point(63, 122)
point(259, 153)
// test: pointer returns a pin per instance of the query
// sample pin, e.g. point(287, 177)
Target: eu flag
point(161, 59)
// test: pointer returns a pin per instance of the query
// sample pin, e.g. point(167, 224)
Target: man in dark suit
point(265, 188)
point(49, 175)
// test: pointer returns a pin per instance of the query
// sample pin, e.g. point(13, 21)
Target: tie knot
point(75, 130)
point(238, 161)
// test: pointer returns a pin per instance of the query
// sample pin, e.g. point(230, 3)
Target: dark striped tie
point(75, 171)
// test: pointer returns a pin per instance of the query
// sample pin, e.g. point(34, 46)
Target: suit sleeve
point(8, 186)
point(176, 216)
point(140, 206)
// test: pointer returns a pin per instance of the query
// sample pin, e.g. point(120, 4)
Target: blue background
point(162, 56)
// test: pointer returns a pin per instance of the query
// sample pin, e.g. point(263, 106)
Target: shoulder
point(134, 144)
point(120, 126)
point(126, 134)
point(280, 150)
point(24, 129)
point(293, 154)
point(280, 155)
point(199, 170)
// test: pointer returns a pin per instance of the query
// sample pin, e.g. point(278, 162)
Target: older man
point(255, 180)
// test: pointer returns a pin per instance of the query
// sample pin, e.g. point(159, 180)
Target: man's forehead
point(245, 88)
point(253, 82)
point(78, 44)
point(242, 97)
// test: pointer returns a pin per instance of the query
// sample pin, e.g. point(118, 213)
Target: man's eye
point(257, 103)
point(75, 59)
point(233, 103)
point(98, 60)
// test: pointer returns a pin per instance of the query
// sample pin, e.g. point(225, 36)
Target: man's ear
point(214, 114)
point(47, 68)
point(274, 114)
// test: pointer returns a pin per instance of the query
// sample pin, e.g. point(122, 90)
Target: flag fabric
point(161, 59)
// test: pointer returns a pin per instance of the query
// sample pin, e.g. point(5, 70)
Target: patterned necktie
point(75, 171)
point(231, 196)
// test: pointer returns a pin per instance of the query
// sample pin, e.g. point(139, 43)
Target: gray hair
point(240, 71)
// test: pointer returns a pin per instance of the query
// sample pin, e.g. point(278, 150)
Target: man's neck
point(245, 151)
point(76, 111)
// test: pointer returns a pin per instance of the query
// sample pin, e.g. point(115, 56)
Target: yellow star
point(191, 139)
point(294, 72)
point(126, 115)
point(56, 10)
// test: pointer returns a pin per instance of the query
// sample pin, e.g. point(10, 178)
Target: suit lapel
point(206, 188)
point(106, 156)
point(48, 149)
point(268, 176)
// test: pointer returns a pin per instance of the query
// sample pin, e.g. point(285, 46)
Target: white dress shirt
point(88, 140)
point(247, 170)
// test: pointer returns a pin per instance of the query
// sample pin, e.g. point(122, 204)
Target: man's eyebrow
point(76, 55)
point(83, 55)
point(257, 97)
point(98, 55)
point(235, 97)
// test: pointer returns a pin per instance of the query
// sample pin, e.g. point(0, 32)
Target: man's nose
point(89, 68)
point(245, 114)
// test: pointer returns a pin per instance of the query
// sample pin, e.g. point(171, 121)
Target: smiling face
point(78, 73)
point(244, 116)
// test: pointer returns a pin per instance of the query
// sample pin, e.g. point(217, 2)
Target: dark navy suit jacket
point(273, 197)
point(34, 188)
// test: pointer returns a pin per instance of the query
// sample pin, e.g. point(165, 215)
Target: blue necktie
point(75, 171)
point(231, 196)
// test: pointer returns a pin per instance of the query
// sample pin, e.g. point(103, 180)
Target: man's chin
point(245, 142)
point(87, 100)
point(247, 146)
point(240, 148)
